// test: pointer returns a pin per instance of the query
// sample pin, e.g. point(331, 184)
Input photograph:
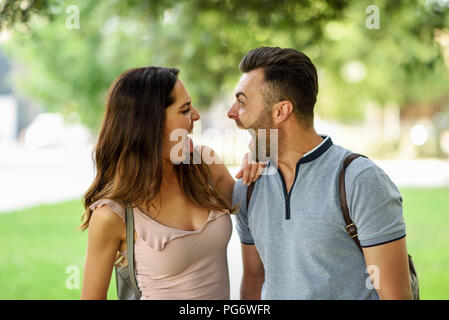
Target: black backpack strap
point(351, 229)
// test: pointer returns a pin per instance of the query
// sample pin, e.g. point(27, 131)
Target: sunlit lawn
point(38, 244)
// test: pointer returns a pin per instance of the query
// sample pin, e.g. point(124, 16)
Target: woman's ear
point(282, 111)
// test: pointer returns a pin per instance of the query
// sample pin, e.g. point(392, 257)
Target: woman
point(181, 210)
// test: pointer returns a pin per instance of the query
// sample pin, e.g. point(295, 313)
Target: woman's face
point(179, 119)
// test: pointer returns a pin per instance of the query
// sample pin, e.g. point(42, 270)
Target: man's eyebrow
point(240, 93)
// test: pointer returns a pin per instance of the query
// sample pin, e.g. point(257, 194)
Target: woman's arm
point(221, 177)
point(105, 233)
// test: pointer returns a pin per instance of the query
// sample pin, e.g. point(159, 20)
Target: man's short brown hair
point(290, 75)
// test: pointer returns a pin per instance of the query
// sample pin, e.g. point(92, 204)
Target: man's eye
point(185, 111)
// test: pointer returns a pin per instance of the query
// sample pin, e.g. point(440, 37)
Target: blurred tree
point(71, 69)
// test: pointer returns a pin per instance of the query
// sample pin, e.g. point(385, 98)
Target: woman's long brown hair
point(128, 154)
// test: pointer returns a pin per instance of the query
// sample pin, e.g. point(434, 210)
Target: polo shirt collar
point(318, 150)
point(315, 152)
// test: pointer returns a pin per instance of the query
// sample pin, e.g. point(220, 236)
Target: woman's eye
point(240, 102)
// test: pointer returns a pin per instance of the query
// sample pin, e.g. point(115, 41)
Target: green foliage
point(13, 11)
point(70, 70)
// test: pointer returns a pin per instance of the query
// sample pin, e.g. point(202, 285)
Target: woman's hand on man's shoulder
point(250, 170)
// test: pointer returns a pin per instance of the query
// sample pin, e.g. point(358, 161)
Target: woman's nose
point(195, 114)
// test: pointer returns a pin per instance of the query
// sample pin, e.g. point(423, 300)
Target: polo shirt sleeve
point(241, 217)
point(376, 208)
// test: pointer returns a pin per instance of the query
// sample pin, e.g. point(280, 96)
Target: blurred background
point(384, 91)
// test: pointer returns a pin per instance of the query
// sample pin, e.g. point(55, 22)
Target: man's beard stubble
point(263, 125)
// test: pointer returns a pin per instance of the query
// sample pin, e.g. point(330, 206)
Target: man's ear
point(282, 111)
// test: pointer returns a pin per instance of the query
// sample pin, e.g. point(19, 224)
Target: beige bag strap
point(130, 248)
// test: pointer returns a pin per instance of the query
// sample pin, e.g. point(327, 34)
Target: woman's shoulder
point(108, 209)
point(106, 223)
point(213, 161)
point(208, 155)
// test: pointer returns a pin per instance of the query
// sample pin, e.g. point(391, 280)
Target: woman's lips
point(189, 144)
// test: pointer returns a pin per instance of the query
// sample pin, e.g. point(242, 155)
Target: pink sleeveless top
point(178, 264)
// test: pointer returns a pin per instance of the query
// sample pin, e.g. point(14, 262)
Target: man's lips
point(239, 124)
point(189, 141)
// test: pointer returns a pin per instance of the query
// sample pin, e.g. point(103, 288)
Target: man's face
point(249, 110)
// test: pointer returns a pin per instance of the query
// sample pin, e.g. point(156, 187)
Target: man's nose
point(233, 113)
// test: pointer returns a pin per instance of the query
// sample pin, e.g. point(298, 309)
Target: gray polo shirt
point(301, 237)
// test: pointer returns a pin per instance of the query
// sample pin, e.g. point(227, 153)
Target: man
point(294, 240)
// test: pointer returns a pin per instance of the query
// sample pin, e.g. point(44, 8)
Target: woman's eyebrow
point(186, 104)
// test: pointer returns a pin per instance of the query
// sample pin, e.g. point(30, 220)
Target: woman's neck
point(169, 175)
point(169, 184)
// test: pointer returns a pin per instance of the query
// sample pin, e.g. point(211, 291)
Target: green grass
point(38, 244)
point(426, 213)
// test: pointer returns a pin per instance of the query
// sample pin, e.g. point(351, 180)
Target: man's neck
point(294, 142)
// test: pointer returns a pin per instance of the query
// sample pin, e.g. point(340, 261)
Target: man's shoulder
point(361, 170)
point(357, 166)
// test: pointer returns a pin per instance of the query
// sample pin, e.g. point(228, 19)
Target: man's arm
point(389, 270)
point(376, 209)
point(253, 273)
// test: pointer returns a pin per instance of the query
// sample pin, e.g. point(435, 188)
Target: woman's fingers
point(253, 173)
point(246, 173)
point(239, 174)
point(250, 170)
point(242, 168)
point(260, 168)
